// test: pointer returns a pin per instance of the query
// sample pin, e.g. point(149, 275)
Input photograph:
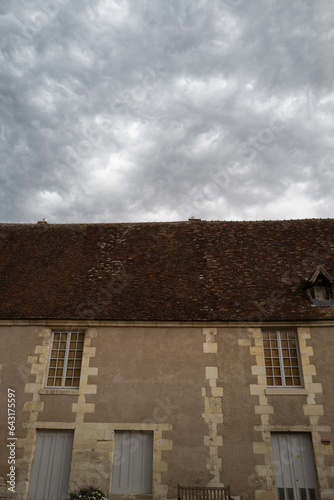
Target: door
point(133, 462)
point(294, 467)
point(51, 465)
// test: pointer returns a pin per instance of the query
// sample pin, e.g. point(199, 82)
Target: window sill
point(63, 392)
point(280, 391)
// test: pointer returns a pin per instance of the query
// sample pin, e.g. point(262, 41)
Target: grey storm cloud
point(137, 110)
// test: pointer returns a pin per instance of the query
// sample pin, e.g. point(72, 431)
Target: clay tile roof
point(177, 271)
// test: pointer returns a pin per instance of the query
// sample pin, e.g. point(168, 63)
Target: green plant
point(89, 493)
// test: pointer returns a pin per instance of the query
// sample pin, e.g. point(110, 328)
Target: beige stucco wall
point(200, 388)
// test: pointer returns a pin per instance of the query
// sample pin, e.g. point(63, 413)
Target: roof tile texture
point(177, 271)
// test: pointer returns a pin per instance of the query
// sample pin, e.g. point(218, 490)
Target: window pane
point(65, 357)
point(282, 354)
point(312, 493)
point(302, 492)
point(290, 494)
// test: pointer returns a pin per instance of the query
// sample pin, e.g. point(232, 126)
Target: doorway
point(294, 466)
point(51, 465)
point(133, 462)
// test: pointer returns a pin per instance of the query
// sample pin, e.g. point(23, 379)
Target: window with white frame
point(281, 358)
point(64, 367)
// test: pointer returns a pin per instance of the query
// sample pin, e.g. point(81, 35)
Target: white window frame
point(281, 359)
point(66, 359)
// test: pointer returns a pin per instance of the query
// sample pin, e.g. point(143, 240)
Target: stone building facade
point(140, 356)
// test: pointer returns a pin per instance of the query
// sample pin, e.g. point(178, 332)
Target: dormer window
point(319, 288)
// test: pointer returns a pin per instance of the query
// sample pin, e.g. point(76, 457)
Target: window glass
point(65, 360)
point(281, 358)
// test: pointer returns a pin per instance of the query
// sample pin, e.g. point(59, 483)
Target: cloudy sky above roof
point(159, 110)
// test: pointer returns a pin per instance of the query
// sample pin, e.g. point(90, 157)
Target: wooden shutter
point(294, 467)
point(133, 462)
point(51, 465)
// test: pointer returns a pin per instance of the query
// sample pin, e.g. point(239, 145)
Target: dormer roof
point(320, 271)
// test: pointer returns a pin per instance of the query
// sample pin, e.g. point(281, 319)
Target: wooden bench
point(203, 493)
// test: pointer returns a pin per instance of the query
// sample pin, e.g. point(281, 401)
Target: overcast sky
point(159, 110)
